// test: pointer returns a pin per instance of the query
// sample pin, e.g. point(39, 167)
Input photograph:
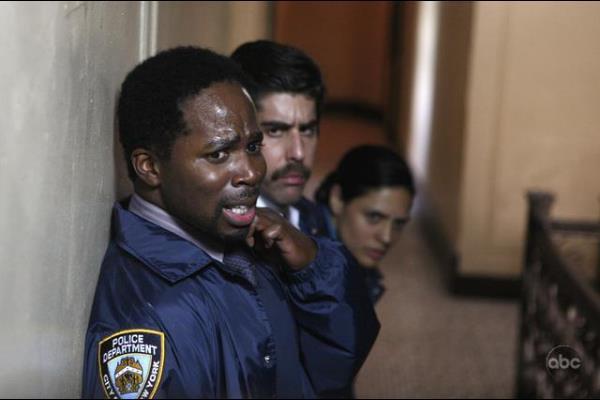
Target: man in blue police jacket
point(288, 90)
point(201, 293)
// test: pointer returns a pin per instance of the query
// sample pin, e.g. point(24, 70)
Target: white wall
point(61, 66)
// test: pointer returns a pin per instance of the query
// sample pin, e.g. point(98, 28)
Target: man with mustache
point(288, 93)
point(202, 294)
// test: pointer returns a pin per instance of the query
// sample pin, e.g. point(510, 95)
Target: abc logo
point(563, 362)
point(562, 358)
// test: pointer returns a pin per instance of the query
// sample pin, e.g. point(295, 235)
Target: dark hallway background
point(353, 43)
point(431, 344)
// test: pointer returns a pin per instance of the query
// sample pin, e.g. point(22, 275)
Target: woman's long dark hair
point(366, 168)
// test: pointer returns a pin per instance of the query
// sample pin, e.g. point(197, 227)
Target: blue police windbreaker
point(169, 321)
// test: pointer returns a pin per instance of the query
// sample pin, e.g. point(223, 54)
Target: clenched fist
point(273, 237)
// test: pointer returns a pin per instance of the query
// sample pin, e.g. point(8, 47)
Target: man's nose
point(295, 146)
point(249, 171)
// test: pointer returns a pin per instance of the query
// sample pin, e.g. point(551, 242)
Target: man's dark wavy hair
point(149, 107)
point(277, 68)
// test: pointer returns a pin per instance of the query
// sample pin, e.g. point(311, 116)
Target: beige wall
point(532, 122)
point(61, 66)
point(221, 26)
point(515, 107)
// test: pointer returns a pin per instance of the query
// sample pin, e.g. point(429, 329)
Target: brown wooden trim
point(354, 109)
point(488, 287)
point(575, 226)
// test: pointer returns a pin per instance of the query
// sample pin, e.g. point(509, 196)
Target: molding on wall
point(484, 102)
point(483, 286)
point(148, 29)
point(435, 236)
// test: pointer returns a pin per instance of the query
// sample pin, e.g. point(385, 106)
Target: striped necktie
point(240, 261)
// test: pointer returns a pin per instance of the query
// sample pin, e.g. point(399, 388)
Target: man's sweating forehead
point(209, 102)
point(245, 91)
point(221, 103)
point(204, 106)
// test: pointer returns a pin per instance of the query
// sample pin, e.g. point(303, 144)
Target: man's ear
point(147, 166)
point(335, 200)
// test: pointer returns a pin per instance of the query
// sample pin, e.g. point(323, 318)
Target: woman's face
point(368, 225)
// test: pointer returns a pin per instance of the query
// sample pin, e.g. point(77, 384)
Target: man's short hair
point(149, 109)
point(277, 68)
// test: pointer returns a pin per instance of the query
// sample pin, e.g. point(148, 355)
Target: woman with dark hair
point(368, 200)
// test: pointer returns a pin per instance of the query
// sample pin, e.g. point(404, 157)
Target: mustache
point(291, 167)
point(246, 193)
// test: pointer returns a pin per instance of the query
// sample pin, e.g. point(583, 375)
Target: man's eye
point(254, 148)
point(218, 156)
point(309, 132)
point(274, 132)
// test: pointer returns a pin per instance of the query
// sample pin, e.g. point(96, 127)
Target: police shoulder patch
point(131, 363)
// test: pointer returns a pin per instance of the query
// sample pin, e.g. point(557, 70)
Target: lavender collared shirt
point(292, 212)
point(160, 217)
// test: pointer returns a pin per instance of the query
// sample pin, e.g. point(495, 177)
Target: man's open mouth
point(239, 215)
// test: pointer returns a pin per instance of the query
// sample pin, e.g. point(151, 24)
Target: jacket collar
point(311, 221)
point(164, 252)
